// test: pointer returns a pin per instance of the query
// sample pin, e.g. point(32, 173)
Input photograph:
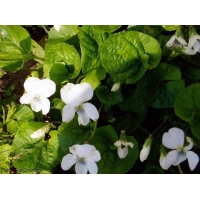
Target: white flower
point(174, 139)
point(176, 41)
point(57, 27)
point(162, 161)
point(75, 97)
point(146, 149)
point(122, 148)
point(84, 156)
point(194, 41)
point(37, 92)
point(115, 87)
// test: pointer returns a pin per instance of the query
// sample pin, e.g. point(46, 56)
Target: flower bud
point(146, 149)
point(115, 87)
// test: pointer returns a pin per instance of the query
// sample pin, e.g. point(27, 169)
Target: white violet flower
point(37, 92)
point(177, 39)
point(75, 97)
point(174, 139)
point(194, 40)
point(122, 148)
point(115, 87)
point(84, 157)
point(144, 153)
point(162, 157)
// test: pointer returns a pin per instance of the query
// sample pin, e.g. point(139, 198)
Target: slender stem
point(45, 29)
point(158, 128)
point(95, 124)
point(56, 122)
point(180, 170)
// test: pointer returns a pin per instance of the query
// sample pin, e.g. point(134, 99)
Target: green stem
point(158, 128)
point(95, 124)
point(56, 122)
point(180, 170)
point(45, 29)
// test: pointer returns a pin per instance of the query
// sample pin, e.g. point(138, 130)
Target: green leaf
point(23, 113)
point(107, 97)
point(5, 151)
point(170, 27)
point(126, 56)
point(90, 60)
point(160, 87)
point(13, 126)
point(35, 154)
point(153, 31)
point(187, 104)
point(65, 33)
point(15, 46)
point(110, 163)
point(195, 127)
point(63, 62)
point(105, 28)
point(71, 133)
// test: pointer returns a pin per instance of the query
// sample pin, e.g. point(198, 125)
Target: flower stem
point(180, 170)
point(95, 124)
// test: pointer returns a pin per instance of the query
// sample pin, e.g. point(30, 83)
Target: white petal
point(92, 166)
point(57, 27)
point(81, 168)
point(128, 144)
point(162, 162)
point(27, 98)
point(68, 113)
point(115, 87)
point(36, 105)
point(122, 152)
point(187, 148)
point(144, 153)
point(193, 159)
point(32, 84)
point(64, 92)
point(192, 41)
point(45, 105)
point(180, 158)
point(82, 151)
point(68, 161)
point(40, 132)
point(79, 94)
point(171, 158)
point(196, 46)
point(118, 143)
point(95, 156)
point(188, 51)
point(173, 138)
point(46, 87)
point(91, 111)
point(83, 118)
point(182, 41)
point(171, 41)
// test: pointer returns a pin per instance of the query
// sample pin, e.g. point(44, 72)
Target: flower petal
point(95, 156)
point(192, 41)
point(193, 159)
point(64, 92)
point(173, 138)
point(79, 94)
point(144, 153)
point(36, 105)
point(46, 87)
point(57, 27)
point(91, 111)
point(68, 161)
point(162, 162)
point(27, 98)
point(171, 41)
point(45, 105)
point(82, 151)
point(83, 118)
point(188, 51)
point(128, 144)
point(182, 41)
point(122, 152)
point(196, 46)
point(68, 113)
point(92, 166)
point(32, 84)
point(118, 143)
point(171, 158)
point(180, 158)
point(81, 168)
